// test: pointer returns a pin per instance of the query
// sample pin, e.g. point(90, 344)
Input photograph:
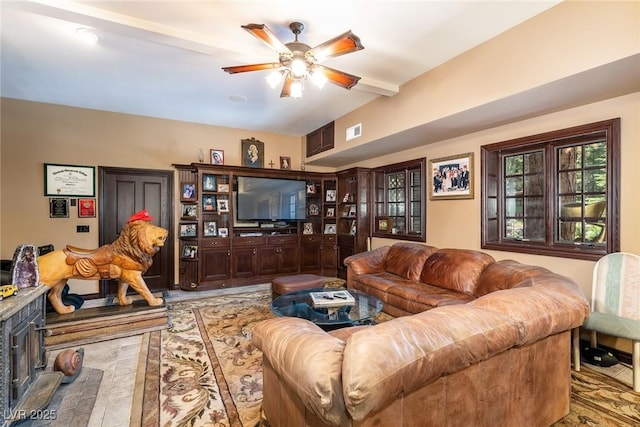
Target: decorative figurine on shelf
point(126, 259)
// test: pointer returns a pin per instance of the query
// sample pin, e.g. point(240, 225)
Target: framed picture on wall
point(188, 230)
point(208, 182)
point(285, 163)
point(86, 208)
point(451, 177)
point(252, 153)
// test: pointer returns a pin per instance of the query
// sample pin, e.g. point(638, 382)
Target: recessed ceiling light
point(238, 98)
point(88, 35)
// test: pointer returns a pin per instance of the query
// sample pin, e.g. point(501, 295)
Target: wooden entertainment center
point(218, 251)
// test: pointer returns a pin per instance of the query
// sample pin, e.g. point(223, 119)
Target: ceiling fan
point(299, 62)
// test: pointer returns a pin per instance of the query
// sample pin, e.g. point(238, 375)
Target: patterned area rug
point(204, 372)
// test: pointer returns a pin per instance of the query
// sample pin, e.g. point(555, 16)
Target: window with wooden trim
point(555, 193)
point(399, 201)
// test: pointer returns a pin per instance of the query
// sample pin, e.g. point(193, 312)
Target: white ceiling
point(163, 58)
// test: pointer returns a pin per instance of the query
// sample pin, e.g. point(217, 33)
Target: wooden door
point(125, 191)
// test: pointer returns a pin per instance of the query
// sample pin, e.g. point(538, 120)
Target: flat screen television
point(270, 199)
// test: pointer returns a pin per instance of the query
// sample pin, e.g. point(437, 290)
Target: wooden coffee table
point(298, 304)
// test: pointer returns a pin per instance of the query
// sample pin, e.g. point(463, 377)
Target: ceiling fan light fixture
point(298, 67)
point(274, 78)
point(319, 79)
point(296, 88)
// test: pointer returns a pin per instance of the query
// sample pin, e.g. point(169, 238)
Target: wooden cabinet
point(321, 139)
point(217, 250)
point(353, 214)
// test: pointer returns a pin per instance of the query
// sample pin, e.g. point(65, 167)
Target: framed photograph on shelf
point(190, 251)
point(383, 224)
point(352, 211)
point(223, 232)
point(308, 228)
point(210, 229)
point(223, 205)
point(188, 230)
point(208, 182)
point(331, 196)
point(346, 197)
point(314, 210)
point(329, 229)
point(217, 157)
point(331, 212)
point(86, 208)
point(189, 211)
point(188, 191)
point(223, 188)
point(311, 189)
point(452, 177)
point(209, 203)
point(285, 163)
point(252, 153)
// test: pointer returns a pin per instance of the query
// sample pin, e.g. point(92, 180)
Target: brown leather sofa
point(493, 350)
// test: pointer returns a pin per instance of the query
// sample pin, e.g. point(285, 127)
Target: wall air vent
point(354, 131)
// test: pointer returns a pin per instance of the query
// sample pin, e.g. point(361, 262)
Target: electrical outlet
point(82, 229)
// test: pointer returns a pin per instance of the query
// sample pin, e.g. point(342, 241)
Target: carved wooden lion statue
point(126, 259)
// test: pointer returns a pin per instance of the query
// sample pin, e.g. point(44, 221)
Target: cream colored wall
point(34, 133)
point(456, 223)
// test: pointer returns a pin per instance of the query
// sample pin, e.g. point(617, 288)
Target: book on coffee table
point(332, 299)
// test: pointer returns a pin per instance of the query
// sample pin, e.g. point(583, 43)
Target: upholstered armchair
point(615, 303)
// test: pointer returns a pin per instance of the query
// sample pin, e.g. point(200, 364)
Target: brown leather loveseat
point(498, 356)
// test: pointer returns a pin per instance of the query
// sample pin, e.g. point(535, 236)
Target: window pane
point(595, 154)
point(513, 165)
point(513, 207)
point(595, 180)
point(534, 162)
point(514, 229)
point(513, 186)
point(534, 207)
point(570, 182)
point(534, 185)
point(570, 157)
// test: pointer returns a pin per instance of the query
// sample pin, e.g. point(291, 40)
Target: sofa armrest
point(367, 262)
point(308, 361)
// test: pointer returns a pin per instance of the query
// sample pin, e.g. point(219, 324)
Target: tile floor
point(118, 359)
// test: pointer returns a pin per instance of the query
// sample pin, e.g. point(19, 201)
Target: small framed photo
point(188, 191)
point(452, 177)
point(252, 153)
point(352, 210)
point(217, 157)
point(329, 229)
point(223, 206)
point(383, 224)
point(188, 230)
point(190, 251)
point(58, 208)
point(314, 210)
point(311, 188)
point(346, 197)
point(209, 203)
point(331, 212)
point(223, 232)
point(208, 182)
point(285, 163)
point(189, 211)
point(86, 208)
point(223, 188)
point(308, 228)
point(331, 196)
point(210, 229)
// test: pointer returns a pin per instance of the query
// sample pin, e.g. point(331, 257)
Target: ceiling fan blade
point(286, 87)
point(339, 78)
point(252, 67)
point(344, 43)
point(263, 32)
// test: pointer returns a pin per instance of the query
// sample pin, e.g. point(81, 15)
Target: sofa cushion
point(455, 269)
point(505, 274)
point(403, 354)
point(406, 259)
point(308, 360)
point(541, 305)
